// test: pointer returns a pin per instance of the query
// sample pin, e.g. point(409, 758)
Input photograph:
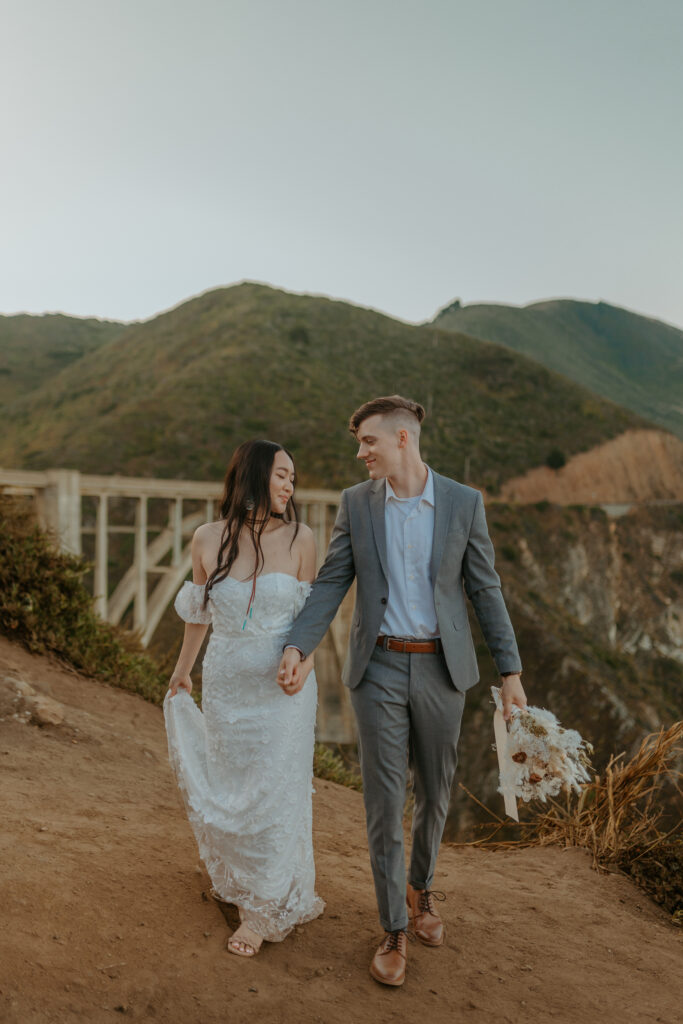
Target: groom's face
point(378, 447)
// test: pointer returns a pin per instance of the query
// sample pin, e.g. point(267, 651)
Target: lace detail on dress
point(245, 763)
point(189, 603)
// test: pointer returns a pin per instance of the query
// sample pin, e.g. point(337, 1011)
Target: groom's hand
point(512, 692)
point(289, 674)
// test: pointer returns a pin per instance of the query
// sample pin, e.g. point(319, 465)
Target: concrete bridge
point(77, 508)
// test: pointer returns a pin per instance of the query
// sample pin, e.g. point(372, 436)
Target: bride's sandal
point(244, 942)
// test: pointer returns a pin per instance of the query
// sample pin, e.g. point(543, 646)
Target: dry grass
point(616, 817)
point(617, 811)
point(614, 813)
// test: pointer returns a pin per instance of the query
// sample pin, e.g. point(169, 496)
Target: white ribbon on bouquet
point(501, 733)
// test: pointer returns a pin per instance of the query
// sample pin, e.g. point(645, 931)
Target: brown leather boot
point(389, 962)
point(424, 916)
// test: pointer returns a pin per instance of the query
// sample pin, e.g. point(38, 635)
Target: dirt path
point(105, 918)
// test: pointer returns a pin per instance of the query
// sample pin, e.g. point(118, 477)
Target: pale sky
point(395, 154)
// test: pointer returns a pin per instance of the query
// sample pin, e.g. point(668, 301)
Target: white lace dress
point(245, 763)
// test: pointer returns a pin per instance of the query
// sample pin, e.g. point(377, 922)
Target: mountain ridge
point(633, 360)
point(173, 396)
point(55, 340)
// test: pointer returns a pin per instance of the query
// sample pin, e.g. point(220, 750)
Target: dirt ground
point(105, 914)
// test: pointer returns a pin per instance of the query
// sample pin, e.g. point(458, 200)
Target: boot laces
point(393, 939)
point(425, 903)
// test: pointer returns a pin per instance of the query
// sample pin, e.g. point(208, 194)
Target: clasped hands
point(293, 671)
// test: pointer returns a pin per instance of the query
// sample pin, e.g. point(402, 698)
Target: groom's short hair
point(389, 405)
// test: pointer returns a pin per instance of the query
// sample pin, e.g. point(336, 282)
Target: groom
point(417, 543)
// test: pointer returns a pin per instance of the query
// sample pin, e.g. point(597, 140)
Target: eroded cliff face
point(597, 606)
point(622, 579)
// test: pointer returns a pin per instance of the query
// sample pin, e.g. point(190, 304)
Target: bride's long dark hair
point(246, 502)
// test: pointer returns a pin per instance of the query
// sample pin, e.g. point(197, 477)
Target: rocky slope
point(597, 605)
point(106, 916)
point(636, 466)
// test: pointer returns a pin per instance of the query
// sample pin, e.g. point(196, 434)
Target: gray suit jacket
point(462, 563)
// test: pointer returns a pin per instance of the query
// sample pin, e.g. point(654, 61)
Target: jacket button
point(384, 600)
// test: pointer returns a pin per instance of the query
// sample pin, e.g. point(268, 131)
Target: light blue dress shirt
point(409, 526)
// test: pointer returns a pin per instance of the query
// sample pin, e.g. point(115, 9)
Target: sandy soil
point(105, 913)
point(636, 466)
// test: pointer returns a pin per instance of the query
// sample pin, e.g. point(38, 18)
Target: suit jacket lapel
point(442, 516)
point(377, 497)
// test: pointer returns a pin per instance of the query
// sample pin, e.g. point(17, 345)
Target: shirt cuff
point(293, 647)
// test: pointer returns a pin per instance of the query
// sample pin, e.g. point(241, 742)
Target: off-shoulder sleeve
point(189, 604)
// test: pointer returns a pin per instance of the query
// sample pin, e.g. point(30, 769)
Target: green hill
point(33, 349)
point(173, 396)
point(630, 359)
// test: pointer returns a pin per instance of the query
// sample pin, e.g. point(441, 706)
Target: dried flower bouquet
point(541, 758)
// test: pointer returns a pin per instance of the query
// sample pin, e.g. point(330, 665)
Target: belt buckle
point(385, 643)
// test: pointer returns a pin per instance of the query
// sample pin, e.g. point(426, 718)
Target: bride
point(244, 764)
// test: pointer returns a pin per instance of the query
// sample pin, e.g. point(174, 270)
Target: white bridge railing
point(162, 550)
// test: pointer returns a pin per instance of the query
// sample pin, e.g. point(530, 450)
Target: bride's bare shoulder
point(301, 531)
point(301, 538)
point(208, 532)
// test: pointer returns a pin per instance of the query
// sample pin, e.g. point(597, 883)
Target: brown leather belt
point(399, 643)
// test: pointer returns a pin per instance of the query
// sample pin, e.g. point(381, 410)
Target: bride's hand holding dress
point(179, 682)
point(195, 631)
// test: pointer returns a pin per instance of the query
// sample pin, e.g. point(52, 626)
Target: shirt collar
point(427, 494)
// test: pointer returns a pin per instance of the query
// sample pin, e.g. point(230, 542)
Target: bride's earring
point(250, 504)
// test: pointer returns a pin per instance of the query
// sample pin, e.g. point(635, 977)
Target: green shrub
point(555, 459)
point(330, 766)
point(45, 606)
